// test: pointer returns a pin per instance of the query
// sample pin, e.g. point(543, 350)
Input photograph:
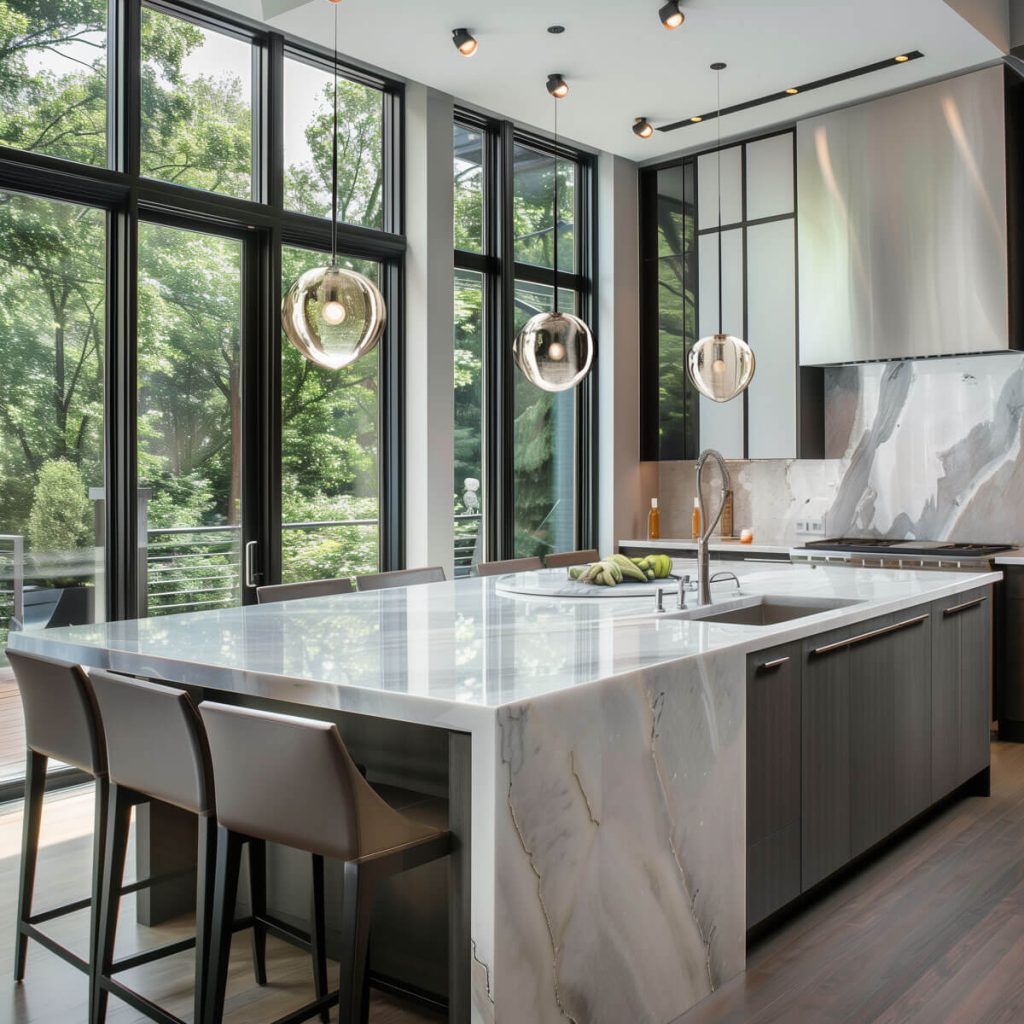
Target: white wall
point(429, 354)
point(624, 486)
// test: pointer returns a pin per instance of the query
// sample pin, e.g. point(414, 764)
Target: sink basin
point(764, 609)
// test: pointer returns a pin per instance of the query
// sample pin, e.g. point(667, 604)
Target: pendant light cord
point(718, 79)
point(334, 149)
point(554, 244)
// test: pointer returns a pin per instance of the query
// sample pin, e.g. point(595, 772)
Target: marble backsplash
point(927, 449)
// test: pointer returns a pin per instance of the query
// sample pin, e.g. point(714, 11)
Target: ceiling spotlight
point(671, 16)
point(902, 59)
point(792, 92)
point(696, 119)
point(464, 42)
point(558, 86)
point(642, 128)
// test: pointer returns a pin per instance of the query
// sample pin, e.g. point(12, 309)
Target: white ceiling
point(621, 63)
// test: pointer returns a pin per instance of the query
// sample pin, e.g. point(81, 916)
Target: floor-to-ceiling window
point(523, 457)
point(163, 179)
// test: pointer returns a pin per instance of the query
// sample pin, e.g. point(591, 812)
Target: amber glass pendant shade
point(554, 351)
point(333, 316)
point(721, 366)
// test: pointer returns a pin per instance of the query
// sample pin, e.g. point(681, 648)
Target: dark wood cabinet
point(854, 732)
point(773, 780)
point(961, 682)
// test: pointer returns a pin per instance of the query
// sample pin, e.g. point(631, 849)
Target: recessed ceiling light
point(902, 59)
point(556, 30)
point(696, 118)
point(671, 16)
point(642, 128)
point(464, 42)
point(558, 86)
point(792, 92)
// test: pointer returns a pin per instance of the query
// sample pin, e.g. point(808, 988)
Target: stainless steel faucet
point(707, 524)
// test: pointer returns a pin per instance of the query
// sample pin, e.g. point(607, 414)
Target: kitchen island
point(596, 770)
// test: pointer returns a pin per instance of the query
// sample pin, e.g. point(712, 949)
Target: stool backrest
point(310, 588)
point(400, 578)
point(61, 717)
point(564, 559)
point(156, 744)
point(509, 565)
point(290, 780)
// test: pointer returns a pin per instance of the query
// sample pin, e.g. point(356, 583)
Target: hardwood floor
point(12, 729)
point(931, 932)
point(55, 993)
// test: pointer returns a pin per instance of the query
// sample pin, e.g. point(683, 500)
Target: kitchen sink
point(763, 609)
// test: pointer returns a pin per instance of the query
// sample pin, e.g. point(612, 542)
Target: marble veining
point(925, 449)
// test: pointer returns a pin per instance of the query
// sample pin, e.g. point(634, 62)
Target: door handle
point(251, 576)
point(957, 608)
point(860, 638)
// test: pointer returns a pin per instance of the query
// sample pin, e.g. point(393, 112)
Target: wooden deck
point(12, 729)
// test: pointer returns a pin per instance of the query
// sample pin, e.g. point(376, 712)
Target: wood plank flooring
point(12, 729)
point(931, 932)
point(55, 993)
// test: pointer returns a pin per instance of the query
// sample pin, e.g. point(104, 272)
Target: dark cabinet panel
point(1011, 669)
point(961, 686)
point(872, 738)
point(825, 761)
point(912, 718)
point(773, 780)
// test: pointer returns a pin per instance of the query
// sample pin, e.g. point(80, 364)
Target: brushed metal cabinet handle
point(957, 608)
point(768, 666)
point(862, 637)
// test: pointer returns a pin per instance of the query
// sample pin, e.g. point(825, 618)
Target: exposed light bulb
point(334, 312)
point(556, 352)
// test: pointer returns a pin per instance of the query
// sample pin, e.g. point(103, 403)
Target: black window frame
point(265, 226)
point(500, 270)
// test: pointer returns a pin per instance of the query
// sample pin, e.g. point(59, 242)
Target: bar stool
point(566, 559)
point(62, 722)
point(309, 796)
point(157, 750)
point(400, 578)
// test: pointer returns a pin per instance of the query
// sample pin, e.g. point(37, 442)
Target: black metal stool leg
point(229, 857)
point(116, 848)
point(318, 933)
point(206, 875)
point(355, 937)
point(99, 847)
point(258, 901)
point(35, 788)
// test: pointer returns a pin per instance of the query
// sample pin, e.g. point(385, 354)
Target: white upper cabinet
point(770, 178)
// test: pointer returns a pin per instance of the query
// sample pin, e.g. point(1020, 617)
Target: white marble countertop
point(667, 543)
point(1014, 557)
point(447, 653)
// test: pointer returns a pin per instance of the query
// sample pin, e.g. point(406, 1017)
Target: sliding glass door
point(52, 320)
point(190, 444)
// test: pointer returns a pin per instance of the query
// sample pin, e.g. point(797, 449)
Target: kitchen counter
point(1014, 557)
point(607, 758)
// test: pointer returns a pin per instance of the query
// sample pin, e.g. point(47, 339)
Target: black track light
point(642, 128)
point(558, 86)
point(464, 42)
point(671, 16)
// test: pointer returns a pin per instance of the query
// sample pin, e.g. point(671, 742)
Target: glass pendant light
point(554, 350)
point(720, 365)
point(333, 315)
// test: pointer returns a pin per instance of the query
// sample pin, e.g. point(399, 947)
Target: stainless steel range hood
point(903, 225)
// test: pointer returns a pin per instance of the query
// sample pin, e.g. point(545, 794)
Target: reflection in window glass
point(468, 174)
point(196, 106)
point(189, 427)
point(53, 78)
point(544, 468)
point(533, 204)
point(308, 93)
point(469, 328)
point(329, 453)
point(52, 312)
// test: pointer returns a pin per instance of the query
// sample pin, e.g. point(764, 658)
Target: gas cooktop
point(885, 545)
